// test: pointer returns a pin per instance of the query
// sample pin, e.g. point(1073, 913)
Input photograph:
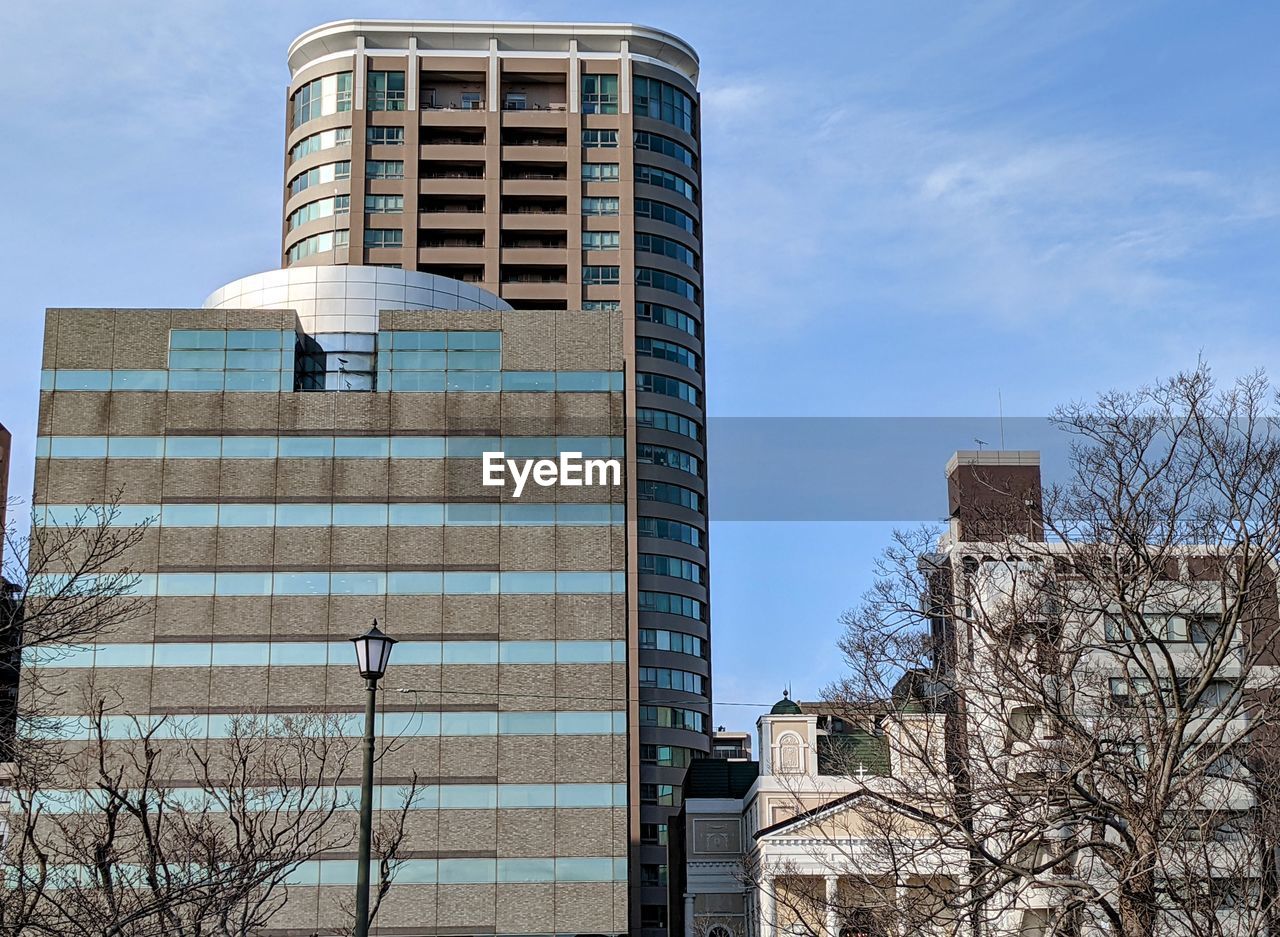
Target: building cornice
point(443, 36)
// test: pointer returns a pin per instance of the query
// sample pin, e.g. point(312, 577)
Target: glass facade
point(663, 101)
point(320, 98)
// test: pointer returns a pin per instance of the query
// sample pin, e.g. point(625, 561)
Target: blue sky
point(910, 207)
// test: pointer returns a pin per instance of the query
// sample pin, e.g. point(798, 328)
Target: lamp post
point(373, 653)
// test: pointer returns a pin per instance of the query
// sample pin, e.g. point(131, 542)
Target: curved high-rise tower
point(557, 166)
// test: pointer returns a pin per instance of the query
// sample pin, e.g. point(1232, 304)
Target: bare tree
point(1084, 724)
point(128, 826)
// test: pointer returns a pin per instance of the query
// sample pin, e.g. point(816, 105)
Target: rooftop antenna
point(980, 442)
point(1000, 405)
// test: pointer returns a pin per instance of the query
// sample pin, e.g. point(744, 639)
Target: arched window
point(790, 754)
point(719, 930)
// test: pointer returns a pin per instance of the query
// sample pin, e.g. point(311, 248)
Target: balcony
point(536, 153)
point(536, 187)
point(457, 255)
point(521, 290)
point(556, 257)
point(444, 152)
point(451, 220)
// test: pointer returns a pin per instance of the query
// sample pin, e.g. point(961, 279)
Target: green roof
point(786, 706)
point(716, 777)
point(843, 754)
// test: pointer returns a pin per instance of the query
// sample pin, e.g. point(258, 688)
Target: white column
point(412, 75)
point(575, 83)
point(495, 75)
point(833, 906)
point(624, 77)
point(688, 915)
point(768, 909)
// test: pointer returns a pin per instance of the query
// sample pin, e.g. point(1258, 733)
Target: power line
point(558, 696)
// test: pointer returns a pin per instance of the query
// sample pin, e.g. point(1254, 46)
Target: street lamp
point(373, 653)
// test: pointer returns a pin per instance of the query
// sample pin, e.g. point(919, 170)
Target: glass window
point(184, 584)
point(669, 386)
point(417, 447)
point(468, 796)
point(658, 565)
point(243, 584)
point(471, 515)
point(528, 583)
point(385, 91)
point(660, 211)
point(604, 139)
point(585, 381)
point(324, 140)
point(467, 871)
point(298, 653)
point(81, 380)
point(321, 208)
point(464, 723)
point(182, 655)
point(471, 583)
point(383, 237)
point(474, 381)
point(414, 583)
point(671, 458)
point(526, 870)
point(584, 652)
point(599, 206)
point(358, 583)
point(599, 276)
point(526, 652)
point(306, 447)
point(599, 172)
point(384, 169)
point(469, 652)
point(303, 515)
point(252, 380)
point(415, 515)
point(248, 447)
point(361, 447)
point(522, 381)
point(661, 280)
point(656, 143)
point(328, 95)
point(585, 515)
point(584, 582)
point(301, 583)
point(195, 381)
point(320, 175)
point(139, 380)
point(241, 654)
point(533, 723)
point(529, 515)
point(585, 723)
point(600, 96)
point(662, 101)
point(655, 244)
point(384, 204)
point(652, 175)
point(192, 447)
point(189, 515)
point(418, 381)
point(599, 240)
point(665, 315)
point(359, 515)
point(384, 136)
point(134, 447)
point(584, 870)
point(319, 243)
point(197, 338)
